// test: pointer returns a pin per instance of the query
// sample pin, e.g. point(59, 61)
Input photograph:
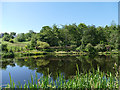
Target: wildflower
point(113, 67)
point(115, 64)
point(25, 59)
point(38, 80)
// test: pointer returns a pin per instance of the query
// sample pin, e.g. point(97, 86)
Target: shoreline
point(58, 53)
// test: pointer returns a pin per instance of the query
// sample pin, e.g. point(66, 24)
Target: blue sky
point(24, 16)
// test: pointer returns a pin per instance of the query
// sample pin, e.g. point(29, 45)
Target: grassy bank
point(94, 79)
point(19, 49)
point(19, 44)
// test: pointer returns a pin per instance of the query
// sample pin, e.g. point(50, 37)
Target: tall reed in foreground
point(94, 79)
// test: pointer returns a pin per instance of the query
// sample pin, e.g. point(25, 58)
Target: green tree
point(20, 37)
point(33, 41)
point(100, 47)
point(6, 33)
point(90, 48)
point(4, 47)
point(73, 35)
point(56, 34)
point(29, 35)
point(47, 35)
point(90, 36)
point(6, 37)
point(42, 45)
point(12, 34)
point(118, 38)
point(11, 40)
point(101, 36)
point(80, 29)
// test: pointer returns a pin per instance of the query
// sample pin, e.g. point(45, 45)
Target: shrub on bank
point(109, 47)
point(8, 55)
point(4, 47)
point(100, 47)
point(89, 48)
point(81, 48)
point(11, 41)
point(42, 45)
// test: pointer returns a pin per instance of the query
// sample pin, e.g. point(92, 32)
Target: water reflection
point(7, 62)
point(63, 64)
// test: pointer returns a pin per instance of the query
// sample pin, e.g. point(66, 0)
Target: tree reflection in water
point(63, 64)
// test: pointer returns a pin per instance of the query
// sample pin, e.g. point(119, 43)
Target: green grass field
point(19, 44)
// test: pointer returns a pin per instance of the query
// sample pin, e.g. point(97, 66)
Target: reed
point(94, 79)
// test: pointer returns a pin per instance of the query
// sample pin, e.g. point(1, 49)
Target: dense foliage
point(6, 52)
point(86, 38)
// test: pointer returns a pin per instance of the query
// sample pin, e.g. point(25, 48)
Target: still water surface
point(22, 68)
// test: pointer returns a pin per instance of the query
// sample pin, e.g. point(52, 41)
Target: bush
point(29, 46)
point(11, 41)
point(109, 47)
point(73, 46)
point(11, 51)
point(4, 47)
point(20, 37)
point(89, 48)
point(80, 48)
point(43, 45)
point(33, 42)
point(48, 50)
point(8, 55)
point(6, 38)
point(100, 48)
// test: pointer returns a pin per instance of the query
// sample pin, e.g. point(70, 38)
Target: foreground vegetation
point(91, 79)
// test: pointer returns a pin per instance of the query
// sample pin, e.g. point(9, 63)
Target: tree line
point(81, 36)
